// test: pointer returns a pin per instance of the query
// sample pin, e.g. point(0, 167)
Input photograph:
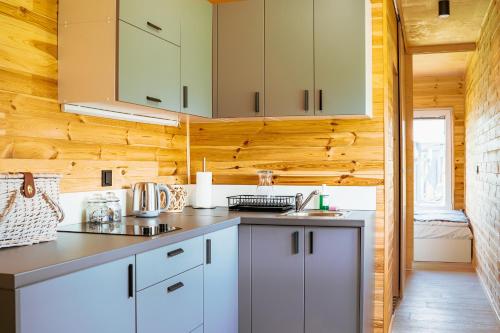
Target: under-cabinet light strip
point(88, 111)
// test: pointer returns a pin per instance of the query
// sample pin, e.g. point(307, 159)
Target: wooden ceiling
point(423, 27)
point(441, 64)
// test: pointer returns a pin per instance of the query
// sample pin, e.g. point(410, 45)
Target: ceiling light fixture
point(444, 8)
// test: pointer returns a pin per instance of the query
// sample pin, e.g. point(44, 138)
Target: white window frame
point(447, 113)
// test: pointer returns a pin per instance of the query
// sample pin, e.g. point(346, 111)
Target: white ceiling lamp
point(444, 8)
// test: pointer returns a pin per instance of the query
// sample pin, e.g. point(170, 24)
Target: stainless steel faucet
point(301, 204)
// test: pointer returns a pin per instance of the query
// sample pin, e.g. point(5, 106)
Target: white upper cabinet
point(134, 57)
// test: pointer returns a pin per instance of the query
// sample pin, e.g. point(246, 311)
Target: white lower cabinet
point(99, 299)
point(186, 287)
point(174, 305)
point(200, 298)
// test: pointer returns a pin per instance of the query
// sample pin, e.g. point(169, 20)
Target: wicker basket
point(29, 212)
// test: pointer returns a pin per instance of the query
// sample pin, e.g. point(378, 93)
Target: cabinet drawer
point(158, 17)
point(163, 263)
point(175, 305)
point(148, 70)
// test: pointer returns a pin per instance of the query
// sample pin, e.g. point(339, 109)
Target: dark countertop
point(71, 252)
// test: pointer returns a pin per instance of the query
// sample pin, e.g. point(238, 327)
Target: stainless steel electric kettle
point(147, 199)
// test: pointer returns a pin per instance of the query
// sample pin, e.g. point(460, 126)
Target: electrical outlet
point(106, 178)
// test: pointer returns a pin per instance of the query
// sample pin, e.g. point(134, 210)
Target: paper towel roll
point(203, 190)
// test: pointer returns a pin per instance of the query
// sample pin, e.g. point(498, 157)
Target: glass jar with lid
point(97, 209)
point(114, 207)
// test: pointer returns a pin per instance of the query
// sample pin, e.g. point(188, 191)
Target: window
point(432, 159)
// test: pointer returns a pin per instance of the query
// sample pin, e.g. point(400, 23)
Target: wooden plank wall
point(447, 92)
point(408, 109)
point(36, 136)
point(390, 107)
point(482, 123)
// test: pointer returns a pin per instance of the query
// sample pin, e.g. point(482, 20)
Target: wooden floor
point(444, 298)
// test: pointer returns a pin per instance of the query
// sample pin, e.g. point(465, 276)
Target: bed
point(442, 235)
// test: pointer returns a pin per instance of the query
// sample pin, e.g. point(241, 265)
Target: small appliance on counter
point(147, 199)
point(119, 229)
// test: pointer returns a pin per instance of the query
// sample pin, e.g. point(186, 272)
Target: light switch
point(106, 178)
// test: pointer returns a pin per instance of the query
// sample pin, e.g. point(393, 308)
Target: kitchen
point(217, 101)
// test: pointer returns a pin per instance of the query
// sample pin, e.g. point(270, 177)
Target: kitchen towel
point(203, 190)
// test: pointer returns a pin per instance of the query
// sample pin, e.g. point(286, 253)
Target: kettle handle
point(164, 189)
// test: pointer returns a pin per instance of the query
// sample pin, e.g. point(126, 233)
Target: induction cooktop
point(119, 229)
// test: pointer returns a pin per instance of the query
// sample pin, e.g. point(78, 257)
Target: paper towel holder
point(204, 168)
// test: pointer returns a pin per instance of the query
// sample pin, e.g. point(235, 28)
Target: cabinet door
point(240, 63)
point(93, 300)
point(173, 306)
point(342, 61)
point(277, 279)
point(158, 17)
point(221, 281)
point(196, 57)
point(289, 58)
point(149, 69)
point(332, 275)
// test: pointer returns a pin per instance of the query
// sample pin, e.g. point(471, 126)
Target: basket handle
point(8, 207)
point(55, 207)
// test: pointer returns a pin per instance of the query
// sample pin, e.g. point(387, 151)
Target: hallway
point(443, 298)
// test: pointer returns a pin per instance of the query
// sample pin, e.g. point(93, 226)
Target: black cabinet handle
point(175, 253)
point(311, 242)
point(257, 102)
point(130, 281)
point(295, 242)
point(321, 100)
point(306, 100)
point(209, 251)
point(154, 26)
point(153, 99)
point(185, 97)
point(174, 287)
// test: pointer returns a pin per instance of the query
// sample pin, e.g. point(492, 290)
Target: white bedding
point(450, 224)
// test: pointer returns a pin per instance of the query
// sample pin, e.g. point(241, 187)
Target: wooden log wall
point(390, 124)
point(447, 92)
point(36, 136)
point(482, 123)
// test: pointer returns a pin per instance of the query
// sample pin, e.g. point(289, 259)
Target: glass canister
point(114, 210)
point(265, 186)
point(97, 209)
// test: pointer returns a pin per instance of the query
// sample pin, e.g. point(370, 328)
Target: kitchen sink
point(319, 213)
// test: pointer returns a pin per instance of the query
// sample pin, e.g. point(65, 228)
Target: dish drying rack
point(261, 203)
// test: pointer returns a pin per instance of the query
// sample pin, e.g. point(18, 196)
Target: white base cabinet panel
point(221, 281)
point(96, 300)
